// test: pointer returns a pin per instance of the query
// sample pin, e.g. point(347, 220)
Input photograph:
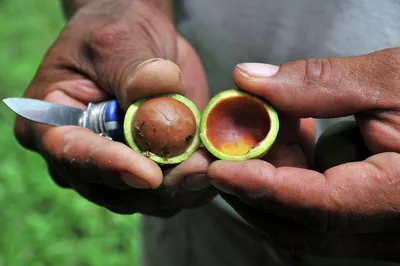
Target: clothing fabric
point(208, 236)
point(227, 32)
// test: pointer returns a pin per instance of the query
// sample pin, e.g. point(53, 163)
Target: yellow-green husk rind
point(129, 135)
point(262, 148)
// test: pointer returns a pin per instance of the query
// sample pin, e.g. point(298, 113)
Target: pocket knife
point(105, 118)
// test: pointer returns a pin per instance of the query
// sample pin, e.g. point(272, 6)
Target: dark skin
point(351, 210)
point(97, 57)
point(111, 49)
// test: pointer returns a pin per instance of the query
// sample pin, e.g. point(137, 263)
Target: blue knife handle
point(105, 118)
point(114, 120)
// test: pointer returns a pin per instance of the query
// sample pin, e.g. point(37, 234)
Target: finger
point(134, 56)
point(354, 197)
point(57, 178)
point(152, 77)
point(114, 199)
point(168, 199)
point(73, 90)
point(299, 241)
point(191, 174)
point(380, 130)
point(193, 76)
point(307, 138)
point(327, 87)
point(288, 155)
point(80, 148)
point(287, 149)
point(128, 201)
point(184, 186)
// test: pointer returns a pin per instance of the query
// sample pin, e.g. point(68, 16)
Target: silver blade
point(45, 112)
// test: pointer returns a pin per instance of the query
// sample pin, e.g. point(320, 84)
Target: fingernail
point(134, 181)
point(195, 182)
point(223, 187)
point(258, 70)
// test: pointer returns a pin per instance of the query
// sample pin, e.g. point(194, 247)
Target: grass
point(40, 223)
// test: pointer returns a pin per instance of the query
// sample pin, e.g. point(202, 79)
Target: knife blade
point(104, 118)
point(45, 112)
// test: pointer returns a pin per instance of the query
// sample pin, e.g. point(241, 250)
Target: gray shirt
point(227, 32)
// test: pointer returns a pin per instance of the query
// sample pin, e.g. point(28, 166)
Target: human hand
point(128, 50)
point(350, 210)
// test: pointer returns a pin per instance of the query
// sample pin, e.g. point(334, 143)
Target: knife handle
point(114, 120)
point(105, 118)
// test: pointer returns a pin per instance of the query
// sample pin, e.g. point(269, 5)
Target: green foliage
point(40, 223)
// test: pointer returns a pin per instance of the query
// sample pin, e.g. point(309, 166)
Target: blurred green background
point(40, 223)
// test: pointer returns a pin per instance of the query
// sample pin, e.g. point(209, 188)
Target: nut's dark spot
point(164, 122)
point(165, 152)
point(188, 138)
point(139, 134)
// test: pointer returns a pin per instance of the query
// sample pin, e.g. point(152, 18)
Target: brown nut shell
point(164, 126)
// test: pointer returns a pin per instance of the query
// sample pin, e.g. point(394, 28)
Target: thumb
point(326, 87)
point(135, 57)
point(193, 76)
point(151, 77)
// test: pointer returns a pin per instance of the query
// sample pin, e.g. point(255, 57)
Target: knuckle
point(120, 35)
point(317, 70)
point(116, 50)
point(109, 38)
point(137, 32)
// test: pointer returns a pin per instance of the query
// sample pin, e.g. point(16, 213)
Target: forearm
point(70, 6)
